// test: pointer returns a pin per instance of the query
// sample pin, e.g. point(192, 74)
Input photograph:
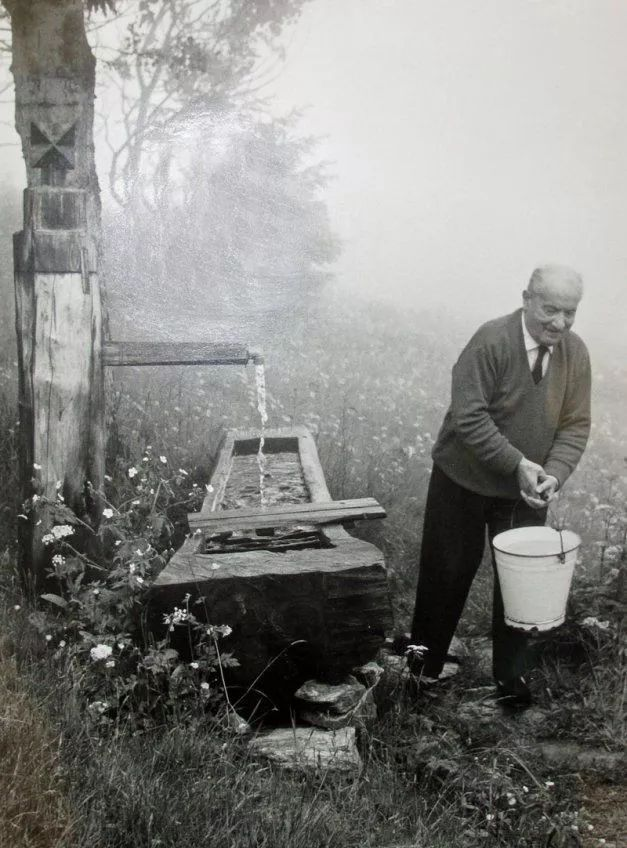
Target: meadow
point(141, 754)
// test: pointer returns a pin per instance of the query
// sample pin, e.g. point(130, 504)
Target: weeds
point(133, 750)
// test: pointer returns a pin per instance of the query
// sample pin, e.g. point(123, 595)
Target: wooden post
point(58, 304)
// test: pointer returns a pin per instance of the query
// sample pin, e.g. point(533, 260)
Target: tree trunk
point(58, 305)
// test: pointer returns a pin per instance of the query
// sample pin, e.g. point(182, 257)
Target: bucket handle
point(554, 524)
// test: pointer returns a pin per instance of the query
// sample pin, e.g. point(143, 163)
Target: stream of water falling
point(260, 380)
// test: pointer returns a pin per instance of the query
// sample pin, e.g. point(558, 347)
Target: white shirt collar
point(530, 342)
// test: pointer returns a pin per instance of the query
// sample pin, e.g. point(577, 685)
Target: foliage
point(371, 384)
point(94, 617)
point(177, 59)
point(238, 231)
point(35, 810)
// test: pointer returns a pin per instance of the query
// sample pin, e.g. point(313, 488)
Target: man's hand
point(531, 479)
point(548, 487)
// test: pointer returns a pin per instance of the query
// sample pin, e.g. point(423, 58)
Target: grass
point(35, 810)
point(430, 778)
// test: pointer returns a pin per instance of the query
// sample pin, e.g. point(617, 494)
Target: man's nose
point(559, 321)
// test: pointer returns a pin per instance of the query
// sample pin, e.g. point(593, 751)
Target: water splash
point(260, 380)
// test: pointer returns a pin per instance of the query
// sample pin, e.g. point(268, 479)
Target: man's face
point(550, 312)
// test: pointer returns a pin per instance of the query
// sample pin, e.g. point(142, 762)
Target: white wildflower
point(58, 560)
point(591, 621)
point(132, 472)
point(58, 532)
point(59, 485)
point(611, 554)
point(177, 616)
point(48, 637)
point(416, 651)
point(17, 607)
point(97, 707)
point(209, 487)
point(215, 566)
point(36, 467)
point(140, 580)
point(183, 472)
point(62, 643)
point(163, 460)
point(35, 498)
point(549, 784)
point(107, 513)
point(96, 591)
point(193, 665)
point(204, 685)
point(110, 663)
point(489, 817)
point(101, 652)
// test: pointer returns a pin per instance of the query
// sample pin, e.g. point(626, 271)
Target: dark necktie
point(536, 372)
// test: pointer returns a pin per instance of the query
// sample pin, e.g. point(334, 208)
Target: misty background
point(426, 154)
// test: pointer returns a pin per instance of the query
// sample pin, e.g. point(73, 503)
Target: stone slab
point(309, 749)
point(335, 699)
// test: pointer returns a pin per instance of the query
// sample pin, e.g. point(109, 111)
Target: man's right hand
point(529, 474)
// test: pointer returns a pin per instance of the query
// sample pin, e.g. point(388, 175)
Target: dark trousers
point(452, 549)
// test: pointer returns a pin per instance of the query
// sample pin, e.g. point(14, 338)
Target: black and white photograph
point(313, 424)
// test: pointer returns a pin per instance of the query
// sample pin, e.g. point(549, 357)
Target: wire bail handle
point(554, 523)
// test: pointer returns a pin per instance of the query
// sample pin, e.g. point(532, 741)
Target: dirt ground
point(605, 808)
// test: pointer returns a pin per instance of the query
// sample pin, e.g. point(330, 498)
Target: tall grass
point(372, 386)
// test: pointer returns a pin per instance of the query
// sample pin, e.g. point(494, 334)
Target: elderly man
point(516, 428)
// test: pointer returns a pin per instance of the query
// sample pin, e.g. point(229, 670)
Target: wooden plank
point(312, 470)
point(175, 353)
point(330, 512)
point(220, 475)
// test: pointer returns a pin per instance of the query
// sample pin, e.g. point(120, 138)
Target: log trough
point(303, 597)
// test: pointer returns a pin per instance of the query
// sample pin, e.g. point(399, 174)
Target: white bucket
point(535, 567)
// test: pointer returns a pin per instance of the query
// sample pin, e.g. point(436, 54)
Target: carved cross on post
point(54, 158)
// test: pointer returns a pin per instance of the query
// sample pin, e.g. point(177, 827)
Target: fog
point(471, 142)
point(468, 142)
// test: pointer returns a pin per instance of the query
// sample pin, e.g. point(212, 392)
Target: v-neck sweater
point(498, 415)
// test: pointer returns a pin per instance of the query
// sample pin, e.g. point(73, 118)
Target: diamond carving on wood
point(57, 154)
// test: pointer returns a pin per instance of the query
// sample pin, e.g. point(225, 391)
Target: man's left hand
point(547, 488)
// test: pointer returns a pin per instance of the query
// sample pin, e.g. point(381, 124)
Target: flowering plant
point(95, 619)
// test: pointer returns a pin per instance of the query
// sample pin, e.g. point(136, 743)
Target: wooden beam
point(176, 353)
point(332, 512)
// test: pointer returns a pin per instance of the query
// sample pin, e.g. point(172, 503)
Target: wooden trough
point(303, 597)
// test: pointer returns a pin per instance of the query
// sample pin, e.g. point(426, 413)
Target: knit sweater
point(498, 415)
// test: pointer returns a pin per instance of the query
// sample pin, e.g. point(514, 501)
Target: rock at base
point(309, 749)
point(368, 674)
point(363, 714)
point(335, 699)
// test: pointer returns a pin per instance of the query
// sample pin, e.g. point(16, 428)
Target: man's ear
point(526, 295)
